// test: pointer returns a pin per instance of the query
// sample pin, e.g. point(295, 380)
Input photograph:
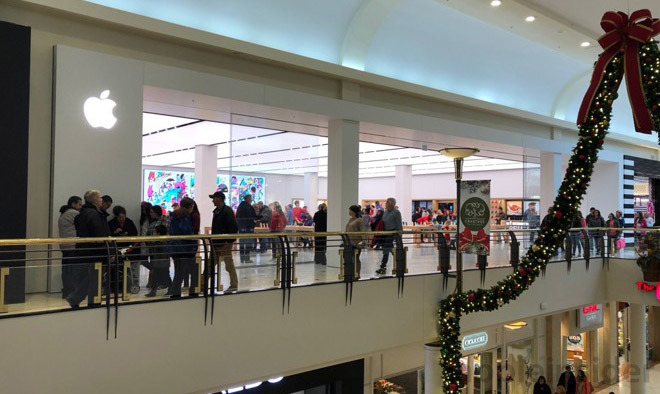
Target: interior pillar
point(609, 370)
point(343, 170)
point(403, 191)
point(432, 370)
point(311, 191)
point(551, 177)
point(637, 349)
point(206, 171)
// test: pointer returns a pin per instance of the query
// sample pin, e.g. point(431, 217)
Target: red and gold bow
point(623, 33)
point(467, 238)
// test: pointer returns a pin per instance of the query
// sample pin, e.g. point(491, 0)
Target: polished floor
point(623, 387)
point(261, 272)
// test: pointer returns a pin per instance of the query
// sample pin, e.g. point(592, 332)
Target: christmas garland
point(592, 132)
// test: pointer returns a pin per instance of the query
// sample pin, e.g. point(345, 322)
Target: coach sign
point(474, 341)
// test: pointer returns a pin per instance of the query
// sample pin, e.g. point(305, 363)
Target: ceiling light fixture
point(585, 44)
point(530, 18)
point(496, 3)
point(516, 325)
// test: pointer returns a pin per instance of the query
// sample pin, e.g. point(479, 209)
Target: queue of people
point(88, 217)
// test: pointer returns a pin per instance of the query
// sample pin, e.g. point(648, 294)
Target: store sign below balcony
point(647, 288)
point(474, 341)
point(591, 316)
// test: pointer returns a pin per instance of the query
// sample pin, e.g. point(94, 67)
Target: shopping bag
point(620, 243)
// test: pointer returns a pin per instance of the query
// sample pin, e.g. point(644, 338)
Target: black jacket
point(245, 216)
point(542, 388)
point(90, 222)
point(224, 222)
point(321, 222)
point(571, 382)
point(129, 230)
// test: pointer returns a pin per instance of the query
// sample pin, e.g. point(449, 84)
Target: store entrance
point(482, 372)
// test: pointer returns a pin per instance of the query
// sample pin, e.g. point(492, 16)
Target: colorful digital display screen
point(164, 188)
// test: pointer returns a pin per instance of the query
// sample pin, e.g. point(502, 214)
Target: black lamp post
point(458, 154)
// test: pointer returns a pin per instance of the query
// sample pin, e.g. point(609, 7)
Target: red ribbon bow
point(623, 33)
point(466, 238)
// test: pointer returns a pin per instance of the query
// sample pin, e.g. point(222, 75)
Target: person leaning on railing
point(67, 229)
point(356, 225)
point(182, 251)
point(224, 222)
point(321, 226)
point(576, 236)
point(90, 222)
point(391, 222)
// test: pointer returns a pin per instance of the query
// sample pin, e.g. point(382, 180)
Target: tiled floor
point(623, 387)
point(261, 273)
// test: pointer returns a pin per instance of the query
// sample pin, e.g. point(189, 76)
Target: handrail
point(55, 241)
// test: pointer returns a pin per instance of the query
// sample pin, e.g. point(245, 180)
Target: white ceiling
point(465, 47)
point(169, 142)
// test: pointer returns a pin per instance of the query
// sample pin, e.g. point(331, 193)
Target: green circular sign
point(475, 213)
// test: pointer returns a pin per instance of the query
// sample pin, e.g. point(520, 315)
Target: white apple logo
point(98, 111)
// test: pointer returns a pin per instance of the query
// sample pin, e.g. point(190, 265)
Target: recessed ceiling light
point(585, 44)
point(530, 18)
point(495, 3)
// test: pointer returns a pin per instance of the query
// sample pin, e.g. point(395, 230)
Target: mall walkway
point(623, 387)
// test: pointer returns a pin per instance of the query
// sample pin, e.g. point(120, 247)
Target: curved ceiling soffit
point(565, 98)
point(360, 32)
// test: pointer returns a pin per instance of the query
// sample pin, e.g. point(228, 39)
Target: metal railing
point(109, 272)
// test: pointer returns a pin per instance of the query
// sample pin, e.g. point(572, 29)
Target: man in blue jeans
point(391, 222)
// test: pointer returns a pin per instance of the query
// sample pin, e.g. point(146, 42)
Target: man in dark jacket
point(246, 218)
point(182, 251)
point(567, 381)
point(224, 222)
point(90, 222)
point(266, 216)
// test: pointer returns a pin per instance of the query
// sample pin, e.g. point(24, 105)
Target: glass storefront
point(482, 372)
point(520, 371)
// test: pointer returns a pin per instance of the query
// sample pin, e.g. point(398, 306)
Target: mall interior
point(306, 107)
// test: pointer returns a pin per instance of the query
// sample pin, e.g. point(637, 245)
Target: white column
point(311, 191)
point(343, 170)
point(432, 369)
point(403, 191)
point(551, 177)
point(637, 349)
point(609, 368)
point(206, 170)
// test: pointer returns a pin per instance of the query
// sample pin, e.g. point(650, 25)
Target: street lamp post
point(458, 154)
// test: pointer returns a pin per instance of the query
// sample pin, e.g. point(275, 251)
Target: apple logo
point(98, 111)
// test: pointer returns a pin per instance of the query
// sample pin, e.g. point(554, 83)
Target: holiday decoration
point(628, 41)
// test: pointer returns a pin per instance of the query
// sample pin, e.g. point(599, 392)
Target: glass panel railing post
point(294, 257)
point(4, 272)
point(124, 293)
point(341, 264)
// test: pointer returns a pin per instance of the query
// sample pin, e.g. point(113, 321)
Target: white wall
point(504, 184)
point(605, 191)
point(87, 158)
point(251, 339)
